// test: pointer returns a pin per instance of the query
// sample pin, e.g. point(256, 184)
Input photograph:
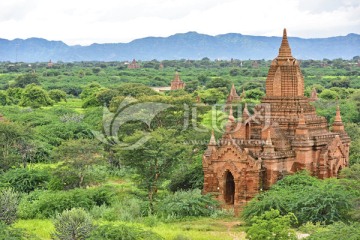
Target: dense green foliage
point(44, 204)
point(190, 203)
point(271, 225)
point(310, 199)
point(67, 132)
point(9, 233)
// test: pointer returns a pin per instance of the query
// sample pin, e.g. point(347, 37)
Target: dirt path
point(234, 235)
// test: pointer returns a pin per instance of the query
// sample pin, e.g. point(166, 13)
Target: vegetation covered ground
point(75, 166)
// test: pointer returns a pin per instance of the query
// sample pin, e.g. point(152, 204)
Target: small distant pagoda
point(50, 64)
point(133, 65)
point(313, 96)
point(177, 84)
point(233, 96)
point(258, 150)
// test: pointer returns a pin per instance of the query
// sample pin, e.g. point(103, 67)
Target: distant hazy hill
point(189, 45)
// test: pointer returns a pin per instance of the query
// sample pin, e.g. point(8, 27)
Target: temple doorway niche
point(247, 131)
point(229, 188)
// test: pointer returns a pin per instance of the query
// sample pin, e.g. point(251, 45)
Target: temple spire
point(246, 114)
point(338, 115)
point(212, 141)
point(177, 77)
point(338, 125)
point(284, 50)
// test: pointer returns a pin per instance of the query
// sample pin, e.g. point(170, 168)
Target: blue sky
point(88, 21)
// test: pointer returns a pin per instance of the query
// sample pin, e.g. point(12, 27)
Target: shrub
point(187, 203)
point(24, 179)
point(126, 210)
point(10, 233)
point(45, 204)
point(271, 225)
point(57, 95)
point(74, 224)
point(9, 202)
point(312, 200)
point(122, 231)
point(338, 230)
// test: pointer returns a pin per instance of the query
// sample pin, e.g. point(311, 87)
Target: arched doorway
point(229, 188)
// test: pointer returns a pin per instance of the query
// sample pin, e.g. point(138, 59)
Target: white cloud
point(85, 22)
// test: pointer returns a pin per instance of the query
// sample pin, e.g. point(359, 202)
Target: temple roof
point(285, 78)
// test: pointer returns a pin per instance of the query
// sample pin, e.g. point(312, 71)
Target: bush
point(74, 224)
point(35, 96)
point(10, 233)
point(9, 202)
point(121, 232)
point(338, 230)
point(57, 95)
point(312, 200)
point(271, 225)
point(24, 179)
point(45, 204)
point(187, 203)
point(127, 210)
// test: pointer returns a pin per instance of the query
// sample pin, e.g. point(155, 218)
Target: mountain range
point(191, 45)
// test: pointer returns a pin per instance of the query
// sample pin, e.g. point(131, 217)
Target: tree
point(74, 224)
point(218, 83)
point(271, 225)
point(212, 95)
point(329, 94)
point(79, 155)
point(14, 94)
point(191, 86)
point(9, 202)
point(57, 95)
point(256, 94)
point(12, 137)
point(90, 90)
point(135, 90)
point(155, 159)
point(35, 96)
point(23, 80)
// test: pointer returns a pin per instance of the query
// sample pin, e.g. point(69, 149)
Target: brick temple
point(177, 84)
point(283, 137)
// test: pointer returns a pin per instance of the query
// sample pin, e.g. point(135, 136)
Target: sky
point(112, 21)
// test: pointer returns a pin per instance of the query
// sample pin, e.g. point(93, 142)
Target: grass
point(39, 228)
point(195, 229)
